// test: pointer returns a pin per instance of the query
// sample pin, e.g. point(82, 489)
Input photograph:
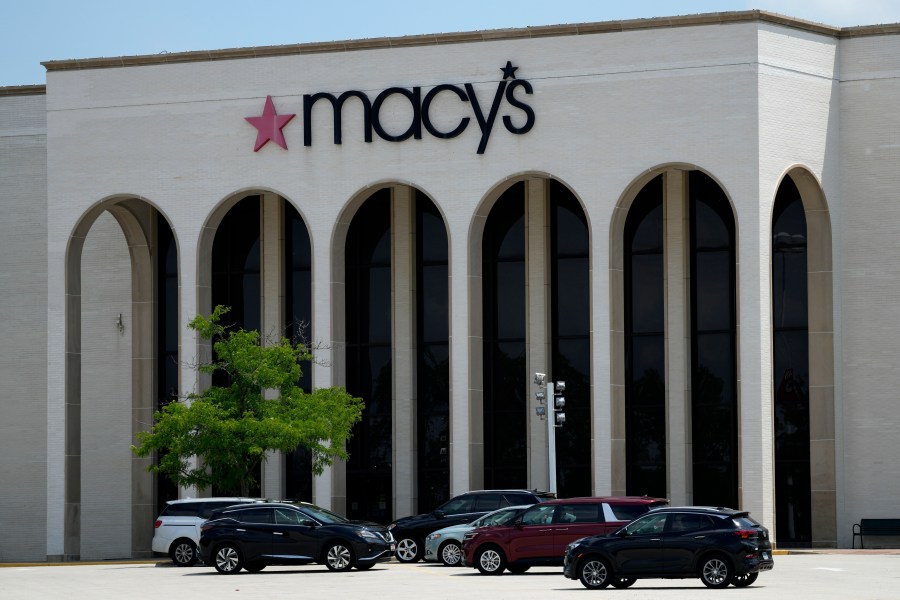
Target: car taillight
point(745, 534)
point(157, 524)
point(205, 527)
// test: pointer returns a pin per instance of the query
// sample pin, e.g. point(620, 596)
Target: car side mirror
point(518, 523)
point(439, 514)
point(308, 523)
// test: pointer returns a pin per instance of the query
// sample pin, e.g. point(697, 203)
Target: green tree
point(230, 428)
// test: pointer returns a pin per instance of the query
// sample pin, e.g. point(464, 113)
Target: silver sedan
point(445, 544)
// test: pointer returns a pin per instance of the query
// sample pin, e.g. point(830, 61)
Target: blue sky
point(41, 30)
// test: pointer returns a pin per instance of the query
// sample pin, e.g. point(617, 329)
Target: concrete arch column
point(136, 218)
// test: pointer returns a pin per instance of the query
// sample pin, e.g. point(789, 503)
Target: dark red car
point(539, 536)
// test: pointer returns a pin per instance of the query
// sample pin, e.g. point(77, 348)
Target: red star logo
point(269, 125)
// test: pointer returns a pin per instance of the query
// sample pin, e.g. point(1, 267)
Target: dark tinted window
point(181, 509)
point(368, 350)
point(205, 509)
point(254, 515)
point(713, 343)
point(298, 319)
point(461, 504)
point(684, 522)
point(649, 525)
point(488, 502)
point(505, 387)
point(645, 388)
point(167, 332)
point(513, 499)
point(579, 513)
point(790, 345)
point(433, 365)
point(746, 522)
point(284, 516)
point(570, 341)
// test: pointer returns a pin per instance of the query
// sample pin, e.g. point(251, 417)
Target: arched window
point(433, 361)
point(503, 273)
point(369, 375)
point(645, 377)
point(298, 320)
point(570, 338)
point(713, 344)
point(167, 338)
point(791, 368)
point(236, 265)
point(236, 280)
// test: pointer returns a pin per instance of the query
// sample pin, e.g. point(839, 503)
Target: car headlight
point(366, 534)
point(433, 536)
point(391, 526)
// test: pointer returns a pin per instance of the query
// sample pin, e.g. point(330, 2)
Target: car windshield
point(500, 517)
point(322, 515)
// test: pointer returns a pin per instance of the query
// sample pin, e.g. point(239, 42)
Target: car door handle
point(655, 539)
point(699, 537)
point(241, 530)
point(562, 529)
point(278, 532)
point(542, 530)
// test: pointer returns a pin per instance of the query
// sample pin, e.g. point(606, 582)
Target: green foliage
point(230, 428)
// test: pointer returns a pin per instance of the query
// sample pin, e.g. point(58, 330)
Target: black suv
point(721, 546)
point(253, 536)
point(410, 532)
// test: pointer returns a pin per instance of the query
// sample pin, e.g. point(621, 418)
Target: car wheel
point(518, 569)
point(338, 557)
point(490, 560)
point(450, 553)
point(594, 573)
point(744, 580)
point(408, 550)
point(623, 582)
point(715, 572)
point(227, 559)
point(255, 567)
point(183, 553)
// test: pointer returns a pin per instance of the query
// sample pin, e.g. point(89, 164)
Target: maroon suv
point(539, 536)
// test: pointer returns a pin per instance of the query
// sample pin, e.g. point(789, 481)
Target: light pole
point(556, 417)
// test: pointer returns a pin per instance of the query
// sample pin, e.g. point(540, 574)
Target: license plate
point(765, 555)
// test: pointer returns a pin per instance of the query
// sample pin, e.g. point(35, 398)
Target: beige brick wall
point(23, 328)
point(869, 277)
point(106, 404)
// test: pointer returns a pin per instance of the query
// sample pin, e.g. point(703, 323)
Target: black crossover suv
point(721, 546)
point(253, 536)
point(410, 532)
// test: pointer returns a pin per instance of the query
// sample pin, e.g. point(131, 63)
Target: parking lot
point(854, 575)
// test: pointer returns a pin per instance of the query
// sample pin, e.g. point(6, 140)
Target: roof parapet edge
point(718, 18)
point(23, 90)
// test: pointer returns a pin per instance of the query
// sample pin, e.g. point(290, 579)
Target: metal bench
point(876, 527)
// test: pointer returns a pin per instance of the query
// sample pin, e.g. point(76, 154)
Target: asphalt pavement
point(824, 575)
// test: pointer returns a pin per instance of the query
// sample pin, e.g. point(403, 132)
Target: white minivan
point(177, 529)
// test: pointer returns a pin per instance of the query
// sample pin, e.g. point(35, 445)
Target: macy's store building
point(690, 221)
